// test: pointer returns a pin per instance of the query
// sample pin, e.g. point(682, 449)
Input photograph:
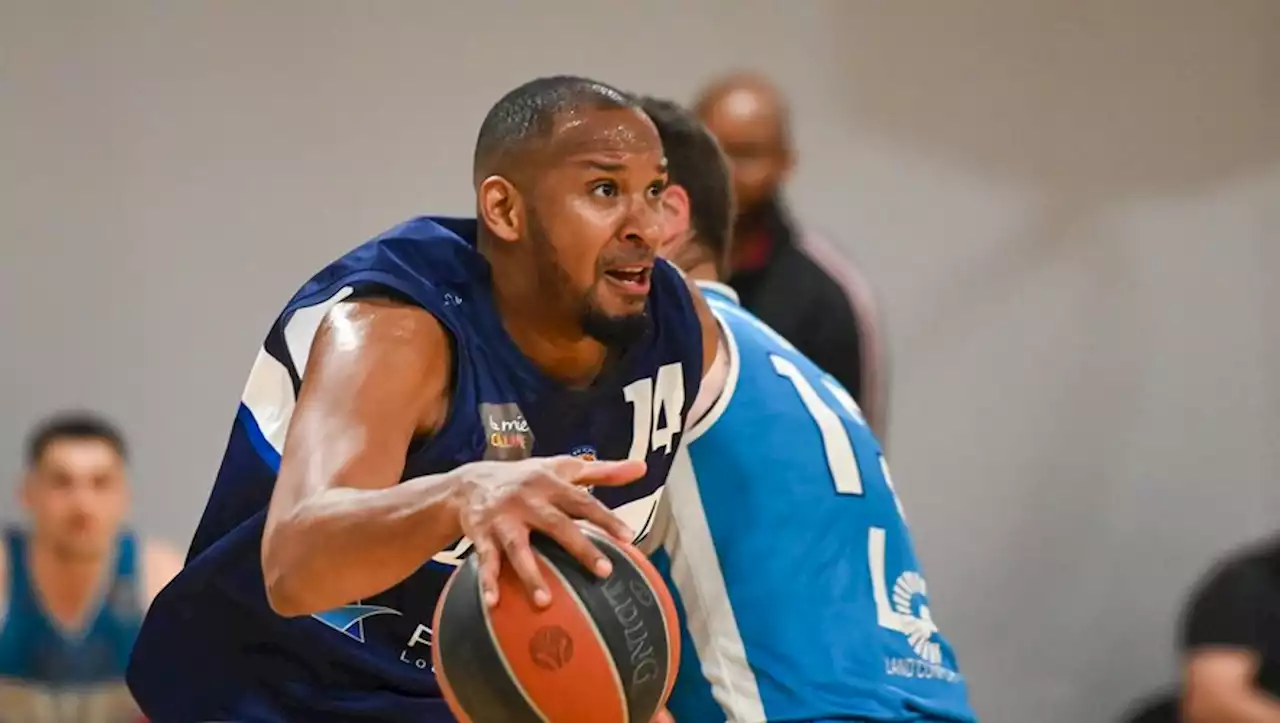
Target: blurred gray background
point(1070, 208)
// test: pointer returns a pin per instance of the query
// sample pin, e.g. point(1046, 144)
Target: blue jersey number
point(908, 612)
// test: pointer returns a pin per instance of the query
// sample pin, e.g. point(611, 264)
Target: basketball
point(604, 650)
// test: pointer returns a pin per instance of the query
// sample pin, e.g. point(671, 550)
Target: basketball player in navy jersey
point(780, 532)
point(75, 581)
point(420, 399)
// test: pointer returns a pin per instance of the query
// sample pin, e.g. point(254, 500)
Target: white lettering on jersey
point(909, 612)
point(657, 406)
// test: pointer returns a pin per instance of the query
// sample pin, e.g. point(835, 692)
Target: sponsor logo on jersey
point(588, 453)
point(508, 436)
point(349, 619)
point(920, 627)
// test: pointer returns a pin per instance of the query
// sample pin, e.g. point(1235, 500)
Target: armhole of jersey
point(270, 394)
point(700, 427)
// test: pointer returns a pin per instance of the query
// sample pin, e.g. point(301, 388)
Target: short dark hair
point(527, 114)
point(73, 425)
point(696, 163)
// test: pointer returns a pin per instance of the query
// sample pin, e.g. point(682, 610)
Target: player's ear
point(675, 207)
point(501, 208)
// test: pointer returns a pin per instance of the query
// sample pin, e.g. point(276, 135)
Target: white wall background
point(1071, 209)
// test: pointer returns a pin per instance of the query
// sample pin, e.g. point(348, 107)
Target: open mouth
point(634, 279)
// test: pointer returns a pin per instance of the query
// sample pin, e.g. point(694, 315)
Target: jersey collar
point(721, 289)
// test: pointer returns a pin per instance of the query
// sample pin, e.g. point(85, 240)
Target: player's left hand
point(663, 717)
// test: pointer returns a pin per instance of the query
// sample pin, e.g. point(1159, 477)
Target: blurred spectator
point(75, 582)
point(1231, 641)
point(792, 279)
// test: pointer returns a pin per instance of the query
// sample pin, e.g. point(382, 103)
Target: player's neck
point(66, 583)
point(704, 271)
point(556, 345)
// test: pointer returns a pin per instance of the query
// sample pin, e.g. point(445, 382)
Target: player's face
point(77, 495)
point(596, 218)
point(757, 155)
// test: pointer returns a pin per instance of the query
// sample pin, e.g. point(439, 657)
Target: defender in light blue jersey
point(780, 532)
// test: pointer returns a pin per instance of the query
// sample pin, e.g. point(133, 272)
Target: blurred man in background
point(795, 282)
point(75, 582)
point(1231, 641)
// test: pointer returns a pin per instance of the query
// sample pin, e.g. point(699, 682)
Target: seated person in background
point(1231, 641)
point(74, 583)
point(781, 536)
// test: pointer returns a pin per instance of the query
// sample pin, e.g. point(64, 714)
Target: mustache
point(632, 255)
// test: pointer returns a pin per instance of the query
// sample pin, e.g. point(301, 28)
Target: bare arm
point(1219, 687)
point(341, 526)
point(160, 564)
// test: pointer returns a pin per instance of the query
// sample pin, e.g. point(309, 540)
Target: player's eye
point(604, 189)
point(657, 188)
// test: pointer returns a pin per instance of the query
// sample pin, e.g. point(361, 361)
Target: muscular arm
point(340, 527)
point(1219, 687)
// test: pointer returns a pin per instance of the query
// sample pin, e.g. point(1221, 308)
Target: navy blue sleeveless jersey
point(212, 649)
point(50, 674)
point(785, 544)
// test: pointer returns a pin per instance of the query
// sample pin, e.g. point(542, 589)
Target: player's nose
point(646, 223)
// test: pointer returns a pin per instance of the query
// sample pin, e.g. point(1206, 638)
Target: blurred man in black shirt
point(792, 280)
point(1231, 641)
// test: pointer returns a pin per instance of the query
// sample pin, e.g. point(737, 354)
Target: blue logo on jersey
point(584, 451)
point(349, 619)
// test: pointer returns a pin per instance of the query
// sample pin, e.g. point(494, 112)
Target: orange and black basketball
point(604, 651)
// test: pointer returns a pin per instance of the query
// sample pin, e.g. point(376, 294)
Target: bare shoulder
point(160, 564)
point(710, 327)
point(383, 344)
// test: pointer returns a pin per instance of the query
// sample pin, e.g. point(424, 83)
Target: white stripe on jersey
point(268, 395)
point(695, 570)
point(729, 347)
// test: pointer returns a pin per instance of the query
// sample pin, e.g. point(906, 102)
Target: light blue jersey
point(786, 546)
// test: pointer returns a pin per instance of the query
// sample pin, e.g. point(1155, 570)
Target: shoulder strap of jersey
point(17, 586)
point(718, 290)
point(127, 548)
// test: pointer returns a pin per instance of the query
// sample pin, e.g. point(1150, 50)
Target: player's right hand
point(501, 503)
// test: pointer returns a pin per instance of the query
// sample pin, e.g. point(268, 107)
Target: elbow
point(283, 592)
point(284, 598)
